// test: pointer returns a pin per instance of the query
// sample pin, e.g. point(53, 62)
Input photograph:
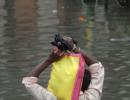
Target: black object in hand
point(60, 43)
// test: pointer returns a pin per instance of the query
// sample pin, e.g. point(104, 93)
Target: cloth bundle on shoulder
point(66, 77)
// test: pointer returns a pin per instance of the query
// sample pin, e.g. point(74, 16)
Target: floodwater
point(28, 26)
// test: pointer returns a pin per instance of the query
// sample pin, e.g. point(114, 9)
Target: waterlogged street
point(27, 27)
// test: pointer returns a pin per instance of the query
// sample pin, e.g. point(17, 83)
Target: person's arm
point(39, 68)
point(32, 77)
point(88, 59)
point(54, 56)
point(96, 69)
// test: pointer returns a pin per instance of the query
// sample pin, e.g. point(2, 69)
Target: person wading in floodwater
point(69, 79)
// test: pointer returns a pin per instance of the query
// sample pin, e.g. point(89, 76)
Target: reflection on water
point(118, 54)
point(27, 27)
point(70, 22)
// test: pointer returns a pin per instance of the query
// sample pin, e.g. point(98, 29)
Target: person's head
point(63, 43)
point(86, 80)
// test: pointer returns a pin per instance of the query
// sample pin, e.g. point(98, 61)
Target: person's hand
point(55, 55)
point(76, 49)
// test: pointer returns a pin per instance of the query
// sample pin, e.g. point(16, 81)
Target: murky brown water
point(28, 26)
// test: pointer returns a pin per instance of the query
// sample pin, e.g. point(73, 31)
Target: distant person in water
point(93, 74)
